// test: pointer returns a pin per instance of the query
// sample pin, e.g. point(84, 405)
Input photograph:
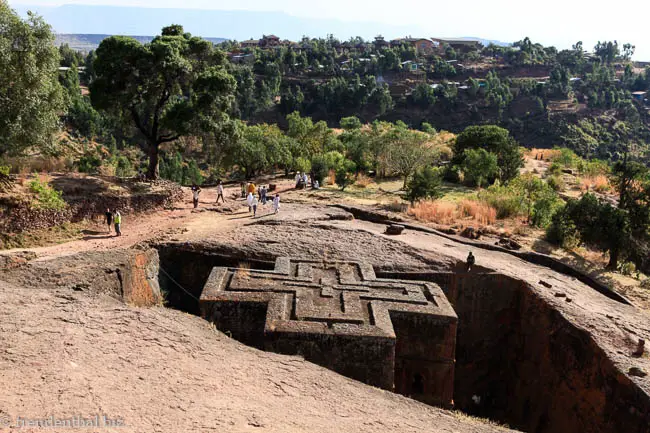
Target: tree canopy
point(30, 94)
point(493, 139)
point(176, 85)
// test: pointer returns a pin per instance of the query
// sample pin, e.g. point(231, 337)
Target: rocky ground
point(71, 347)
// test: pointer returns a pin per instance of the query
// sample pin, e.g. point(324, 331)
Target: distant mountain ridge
point(84, 20)
point(88, 42)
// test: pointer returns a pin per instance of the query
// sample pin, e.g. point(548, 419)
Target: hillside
point(88, 42)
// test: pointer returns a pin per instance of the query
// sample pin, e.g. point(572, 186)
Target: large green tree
point(174, 86)
point(493, 139)
point(30, 95)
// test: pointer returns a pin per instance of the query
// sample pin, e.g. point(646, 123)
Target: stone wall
point(18, 215)
point(519, 361)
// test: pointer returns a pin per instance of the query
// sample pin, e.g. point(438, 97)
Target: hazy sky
point(553, 22)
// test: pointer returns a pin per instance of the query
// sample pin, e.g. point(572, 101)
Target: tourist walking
point(470, 261)
point(249, 200)
point(109, 218)
point(117, 220)
point(254, 205)
point(220, 192)
point(263, 195)
point(195, 195)
point(276, 203)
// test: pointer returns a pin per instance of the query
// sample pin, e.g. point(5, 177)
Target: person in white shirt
point(254, 206)
point(305, 179)
point(276, 203)
point(249, 200)
point(220, 192)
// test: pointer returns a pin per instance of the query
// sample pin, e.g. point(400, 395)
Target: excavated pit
point(518, 360)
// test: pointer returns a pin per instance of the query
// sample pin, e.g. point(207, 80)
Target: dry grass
point(106, 170)
point(446, 213)
point(481, 212)
point(362, 181)
point(396, 206)
point(331, 177)
point(38, 163)
point(544, 154)
point(599, 183)
point(435, 211)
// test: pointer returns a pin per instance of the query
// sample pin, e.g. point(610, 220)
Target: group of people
point(253, 196)
point(254, 199)
point(302, 180)
point(114, 217)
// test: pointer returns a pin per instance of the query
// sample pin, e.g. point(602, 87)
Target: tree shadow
point(90, 238)
point(543, 247)
point(92, 232)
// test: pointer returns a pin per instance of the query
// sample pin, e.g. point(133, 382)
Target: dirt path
point(142, 227)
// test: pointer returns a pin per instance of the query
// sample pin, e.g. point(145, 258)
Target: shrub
point(424, 184)
point(46, 196)
point(362, 180)
point(555, 169)
point(89, 163)
point(345, 174)
point(556, 183)
point(321, 164)
point(562, 231)
point(479, 166)
point(567, 158)
point(319, 168)
point(627, 268)
point(506, 200)
point(599, 183)
point(191, 174)
point(593, 168)
point(544, 209)
point(124, 168)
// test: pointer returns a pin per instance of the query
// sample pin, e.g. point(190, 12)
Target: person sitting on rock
point(470, 261)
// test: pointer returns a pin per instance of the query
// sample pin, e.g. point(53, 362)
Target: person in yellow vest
point(117, 220)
